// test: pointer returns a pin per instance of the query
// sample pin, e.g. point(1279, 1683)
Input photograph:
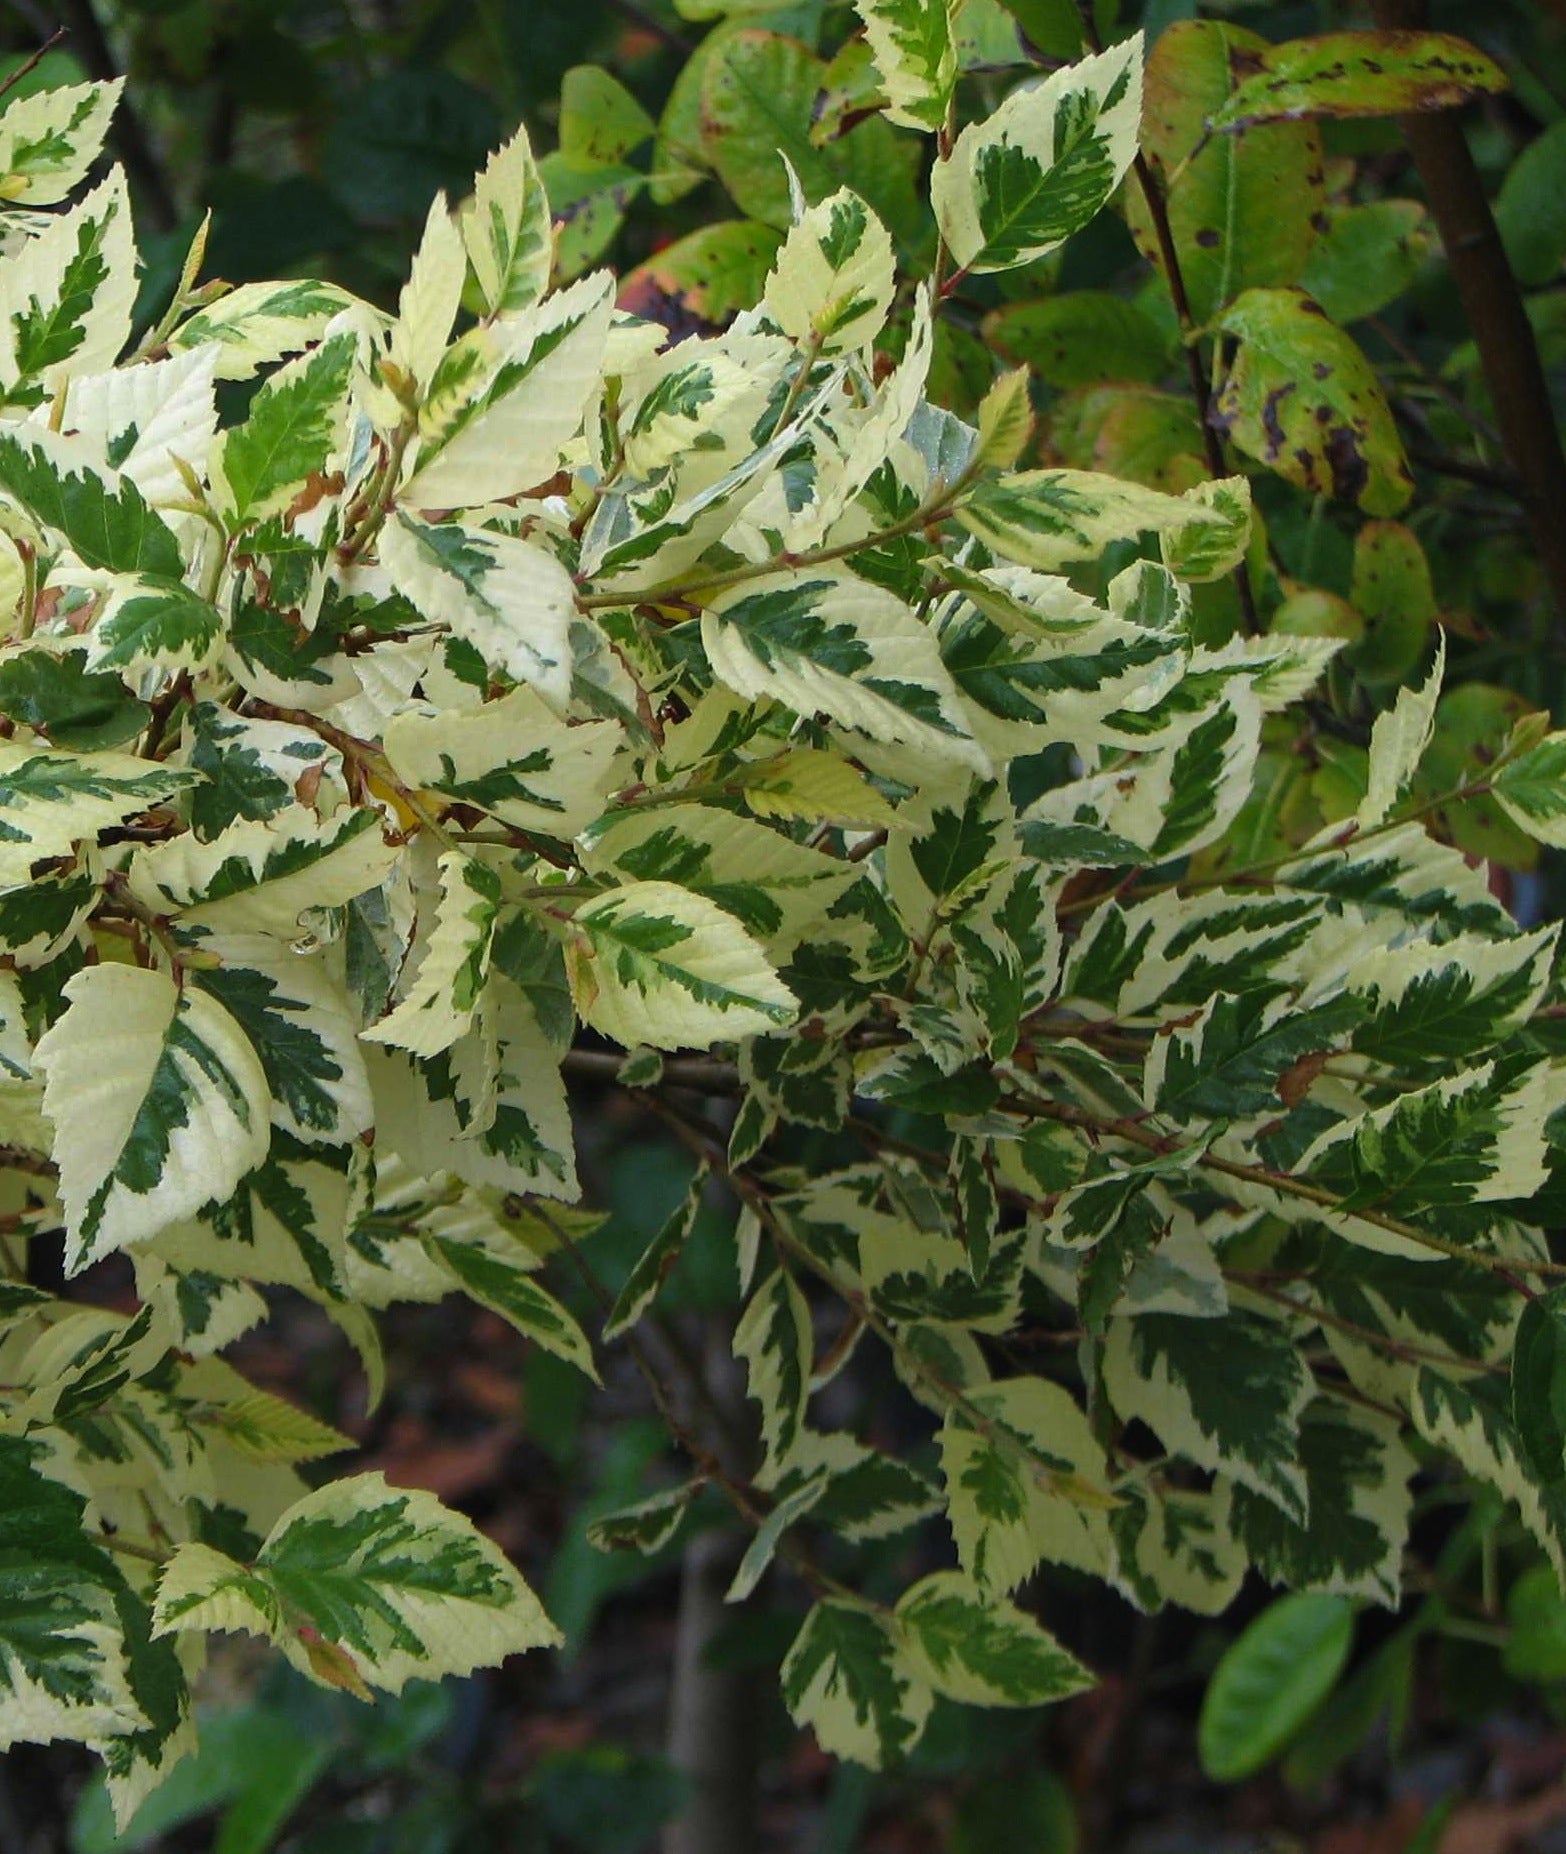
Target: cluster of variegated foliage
point(392, 702)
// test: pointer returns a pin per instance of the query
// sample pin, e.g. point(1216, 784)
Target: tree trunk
point(713, 1714)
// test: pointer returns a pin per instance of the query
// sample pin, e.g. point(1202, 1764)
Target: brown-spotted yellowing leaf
point(1301, 398)
point(702, 280)
point(1244, 208)
point(1357, 74)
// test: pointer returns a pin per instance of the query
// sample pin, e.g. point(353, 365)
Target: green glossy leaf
point(1081, 337)
point(73, 706)
point(1271, 1681)
point(1530, 211)
point(1368, 256)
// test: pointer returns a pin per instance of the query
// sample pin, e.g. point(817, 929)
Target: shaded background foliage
point(316, 133)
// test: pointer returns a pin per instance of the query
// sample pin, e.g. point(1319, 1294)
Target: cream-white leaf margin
point(158, 1101)
point(363, 1584)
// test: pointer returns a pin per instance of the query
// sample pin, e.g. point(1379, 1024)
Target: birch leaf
point(915, 51)
point(50, 139)
point(848, 1677)
point(67, 295)
point(821, 640)
point(263, 875)
point(981, 1650)
point(834, 279)
point(507, 399)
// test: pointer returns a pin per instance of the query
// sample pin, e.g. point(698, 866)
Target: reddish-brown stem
point(1493, 304)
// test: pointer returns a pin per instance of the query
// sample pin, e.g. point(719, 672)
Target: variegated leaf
point(849, 1678)
point(834, 279)
point(655, 963)
point(506, 228)
point(1173, 1545)
point(1025, 1483)
point(259, 323)
point(50, 801)
point(49, 140)
point(1469, 1421)
point(159, 1105)
point(915, 49)
point(510, 599)
point(492, 1108)
point(1398, 742)
point(439, 1003)
point(819, 640)
point(292, 432)
point(1227, 1395)
point(513, 758)
point(64, 1669)
point(1357, 1475)
point(359, 1584)
point(774, 1339)
point(262, 876)
point(67, 295)
point(301, 1028)
point(507, 399)
point(777, 889)
point(1020, 182)
point(1441, 1153)
point(979, 1649)
point(1047, 518)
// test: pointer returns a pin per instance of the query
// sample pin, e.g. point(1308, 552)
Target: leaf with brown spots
point(702, 280)
point(1472, 723)
point(1301, 398)
point(1357, 74)
point(1392, 592)
point(1243, 208)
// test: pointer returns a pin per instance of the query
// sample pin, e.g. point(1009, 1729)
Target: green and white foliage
point(506, 682)
point(1018, 184)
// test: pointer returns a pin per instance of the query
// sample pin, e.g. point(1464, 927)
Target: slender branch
point(1367, 1335)
point(748, 1501)
point(1042, 1466)
point(1493, 305)
point(937, 509)
point(1433, 383)
point(704, 1075)
point(369, 523)
point(369, 760)
point(134, 1548)
point(1463, 469)
point(29, 65)
point(1284, 1183)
